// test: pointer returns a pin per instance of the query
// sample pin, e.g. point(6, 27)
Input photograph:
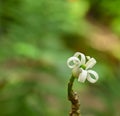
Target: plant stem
point(73, 98)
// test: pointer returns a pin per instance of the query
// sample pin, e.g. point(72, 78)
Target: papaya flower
point(81, 67)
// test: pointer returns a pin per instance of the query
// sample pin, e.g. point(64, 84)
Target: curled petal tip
point(83, 59)
point(73, 62)
point(95, 74)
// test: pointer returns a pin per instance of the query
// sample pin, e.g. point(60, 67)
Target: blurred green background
point(37, 37)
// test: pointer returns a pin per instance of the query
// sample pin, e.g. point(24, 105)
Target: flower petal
point(73, 62)
point(82, 76)
point(76, 71)
point(83, 59)
point(95, 74)
point(90, 63)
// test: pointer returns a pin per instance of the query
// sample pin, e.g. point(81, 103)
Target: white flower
point(80, 67)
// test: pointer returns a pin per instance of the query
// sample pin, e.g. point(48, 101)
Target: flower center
point(83, 67)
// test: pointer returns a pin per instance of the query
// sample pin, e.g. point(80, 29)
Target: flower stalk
point(73, 97)
point(81, 70)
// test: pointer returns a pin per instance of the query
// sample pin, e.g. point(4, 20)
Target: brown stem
point(73, 98)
